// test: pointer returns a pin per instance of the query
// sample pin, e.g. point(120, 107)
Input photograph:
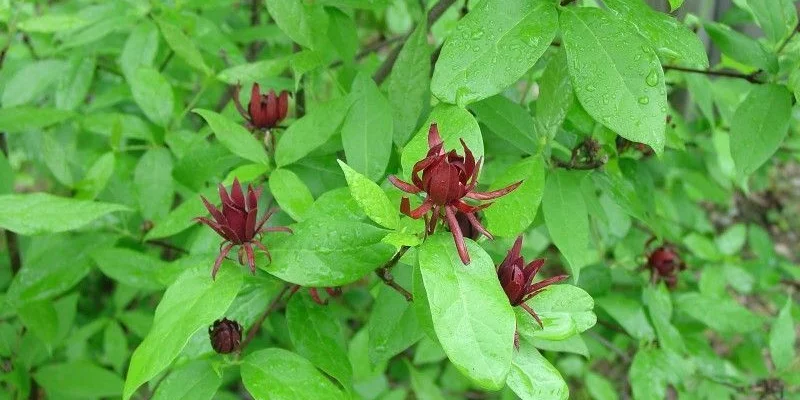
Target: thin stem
point(611, 346)
point(12, 244)
point(166, 245)
point(370, 48)
point(166, 60)
point(251, 333)
point(748, 77)
point(566, 2)
point(384, 273)
point(788, 39)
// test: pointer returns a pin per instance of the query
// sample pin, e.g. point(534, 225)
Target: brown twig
point(369, 49)
point(752, 78)
point(384, 273)
point(251, 333)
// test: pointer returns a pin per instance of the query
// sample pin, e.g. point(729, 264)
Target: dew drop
point(652, 78)
point(590, 88)
point(644, 100)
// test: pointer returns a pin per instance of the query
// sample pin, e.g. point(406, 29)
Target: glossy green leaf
point(182, 45)
point(140, 48)
point(50, 23)
point(298, 20)
point(392, 323)
point(115, 346)
point(488, 51)
point(629, 314)
point(722, 314)
point(367, 129)
point(233, 136)
point(371, 198)
point(71, 378)
point(759, 126)
point(424, 386)
point(74, 84)
point(513, 213)
point(675, 4)
point(555, 96)
point(600, 388)
point(190, 304)
point(254, 71)
point(471, 314)
point(777, 18)
point(311, 131)
point(153, 94)
point(509, 121)
point(409, 83)
point(565, 310)
point(31, 81)
point(131, 268)
point(566, 216)
point(454, 123)
point(265, 376)
point(741, 47)
point(782, 338)
point(41, 319)
point(28, 118)
point(40, 213)
point(532, 377)
point(616, 75)
point(659, 307)
point(179, 219)
point(732, 240)
point(197, 380)
point(56, 158)
point(343, 34)
point(154, 185)
point(332, 253)
point(291, 193)
point(318, 335)
point(646, 379)
point(672, 40)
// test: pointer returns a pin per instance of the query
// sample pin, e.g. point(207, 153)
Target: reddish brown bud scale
point(225, 335)
point(447, 179)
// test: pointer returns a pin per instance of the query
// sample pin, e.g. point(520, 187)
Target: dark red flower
point(225, 335)
point(664, 264)
point(265, 111)
point(237, 222)
point(447, 178)
point(516, 278)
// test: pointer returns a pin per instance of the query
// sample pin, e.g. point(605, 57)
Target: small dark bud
point(664, 264)
point(225, 335)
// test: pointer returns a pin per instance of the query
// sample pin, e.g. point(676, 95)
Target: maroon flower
point(447, 178)
point(265, 111)
point(225, 335)
point(237, 222)
point(664, 264)
point(516, 278)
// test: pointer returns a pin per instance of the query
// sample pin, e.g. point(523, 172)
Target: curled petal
point(263, 249)
point(236, 90)
point(214, 211)
point(223, 195)
point(403, 185)
point(423, 209)
point(251, 258)
point(533, 267)
point(254, 107)
point(532, 313)
point(283, 105)
point(315, 296)
point(477, 225)
point(250, 224)
point(431, 226)
point(493, 194)
point(264, 218)
point(213, 225)
point(536, 287)
point(434, 139)
point(252, 198)
point(469, 158)
point(272, 108)
point(278, 229)
point(237, 195)
point(514, 253)
point(220, 258)
point(458, 237)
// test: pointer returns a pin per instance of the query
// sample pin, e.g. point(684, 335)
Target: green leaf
point(616, 75)
point(343, 34)
point(629, 314)
point(566, 217)
point(673, 41)
point(782, 338)
point(392, 323)
point(298, 19)
point(371, 198)
point(367, 129)
point(52, 265)
point(197, 380)
point(318, 335)
point(702, 246)
point(254, 71)
point(131, 268)
point(573, 344)
point(28, 118)
point(659, 306)
point(424, 386)
point(6, 176)
point(233, 136)
point(190, 304)
point(39, 213)
point(471, 314)
point(741, 47)
point(74, 84)
point(51, 23)
point(565, 310)
point(265, 376)
point(311, 131)
point(41, 319)
point(291, 193)
point(600, 388)
point(555, 96)
point(509, 121)
point(646, 378)
point(732, 240)
point(675, 4)
point(409, 83)
point(153, 94)
point(331, 253)
point(140, 48)
point(513, 213)
point(179, 219)
point(532, 377)
point(56, 158)
point(759, 126)
point(454, 123)
point(70, 379)
point(115, 346)
point(777, 18)
point(153, 182)
point(489, 50)
point(719, 313)
point(31, 81)
point(183, 46)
